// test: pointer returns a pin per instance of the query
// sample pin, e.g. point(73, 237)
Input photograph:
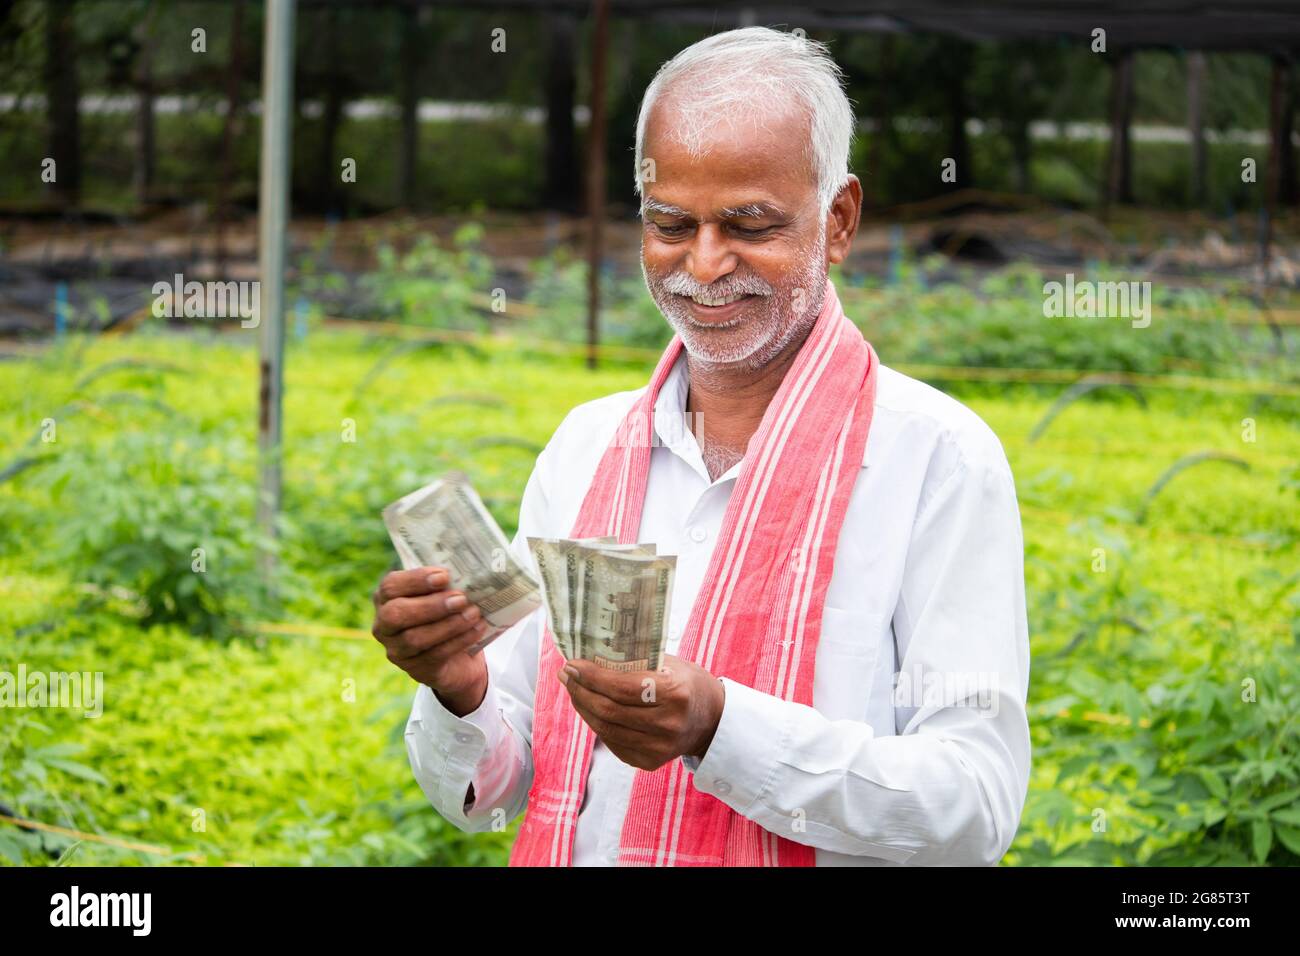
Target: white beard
point(771, 325)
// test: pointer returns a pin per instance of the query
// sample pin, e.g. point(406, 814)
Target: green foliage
point(558, 289)
point(430, 285)
point(36, 770)
point(238, 752)
point(143, 519)
point(1200, 774)
point(998, 320)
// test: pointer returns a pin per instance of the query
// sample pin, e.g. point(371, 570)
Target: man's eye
point(751, 232)
point(670, 229)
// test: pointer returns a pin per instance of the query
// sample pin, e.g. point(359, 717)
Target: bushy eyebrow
point(663, 208)
point(753, 210)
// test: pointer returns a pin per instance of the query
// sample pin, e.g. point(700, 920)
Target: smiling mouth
point(715, 301)
point(717, 311)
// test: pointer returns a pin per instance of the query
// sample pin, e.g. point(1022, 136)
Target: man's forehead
point(740, 164)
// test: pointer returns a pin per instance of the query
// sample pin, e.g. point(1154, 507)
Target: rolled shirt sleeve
point(949, 787)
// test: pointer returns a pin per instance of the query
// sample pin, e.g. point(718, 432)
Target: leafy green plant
point(433, 286)
point(40, 780)
point(558, 291)
point(165, 521)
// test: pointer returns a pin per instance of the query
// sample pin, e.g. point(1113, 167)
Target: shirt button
point(463, 738)
point(698, 534)
point(722, 787)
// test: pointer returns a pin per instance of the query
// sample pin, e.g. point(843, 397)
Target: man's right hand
point(427, 630)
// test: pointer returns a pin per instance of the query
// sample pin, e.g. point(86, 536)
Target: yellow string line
point(916, 370)
point(1114, 720)
point(1078, 447)
point(404, 331)
point(1237, 316)
point(92, 837)
point(1051, 376)
point(310, 630)
point(1045, 376)
point(316, 630)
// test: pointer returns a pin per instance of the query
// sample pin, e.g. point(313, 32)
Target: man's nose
point(710, 257)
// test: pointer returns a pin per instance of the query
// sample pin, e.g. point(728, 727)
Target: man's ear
point(842, 220)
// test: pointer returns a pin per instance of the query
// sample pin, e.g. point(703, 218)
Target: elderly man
point(848, 652)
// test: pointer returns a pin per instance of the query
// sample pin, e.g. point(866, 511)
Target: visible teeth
point(716, 300)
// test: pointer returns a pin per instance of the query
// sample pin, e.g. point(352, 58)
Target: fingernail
point(470, 614)
point(437, 579)
point(563, 675)
point(571, 670)
point(457, 601)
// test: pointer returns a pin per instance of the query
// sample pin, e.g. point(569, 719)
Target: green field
point(1163, 691)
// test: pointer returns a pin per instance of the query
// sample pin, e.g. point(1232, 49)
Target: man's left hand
point(647, 718)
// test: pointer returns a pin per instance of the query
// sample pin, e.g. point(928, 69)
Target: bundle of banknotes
point(606, 602)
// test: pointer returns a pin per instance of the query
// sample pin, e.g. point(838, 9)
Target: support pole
point(559, 191)
point(145, 143)
point(596, 175)
point(408, 94)
point(1119, 160)
point(273, 209)
point(1273, 180)
point(1196, 124)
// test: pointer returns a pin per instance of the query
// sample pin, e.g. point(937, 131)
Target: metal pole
point(596, 176)
point(1273, 180)
point(273, 209)
point(1196, 123)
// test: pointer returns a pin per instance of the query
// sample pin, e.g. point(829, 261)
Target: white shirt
point(923, 763)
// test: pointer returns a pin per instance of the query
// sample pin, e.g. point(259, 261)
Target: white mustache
point(681, 283)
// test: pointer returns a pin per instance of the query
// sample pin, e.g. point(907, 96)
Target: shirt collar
point(674, 431)
point(671, 429)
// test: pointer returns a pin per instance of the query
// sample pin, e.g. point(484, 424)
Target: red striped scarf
point(756, 617)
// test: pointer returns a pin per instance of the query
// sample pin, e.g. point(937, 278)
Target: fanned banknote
point(444, 524)
point(607, 601)
point(549, 559)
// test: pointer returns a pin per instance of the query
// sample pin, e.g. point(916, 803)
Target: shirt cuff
point(462, 740)
point(745, 754)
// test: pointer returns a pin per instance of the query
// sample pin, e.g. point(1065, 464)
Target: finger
point(462, 643)
point(630, 688)
point(606, 710)
point(627, 739)
point(616, 736)
point(411, 583)
point(402, 613)
point(648, 761)
point(441, 650)
point(416, 640)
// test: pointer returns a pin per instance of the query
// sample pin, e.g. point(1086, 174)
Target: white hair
point(745, 72)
